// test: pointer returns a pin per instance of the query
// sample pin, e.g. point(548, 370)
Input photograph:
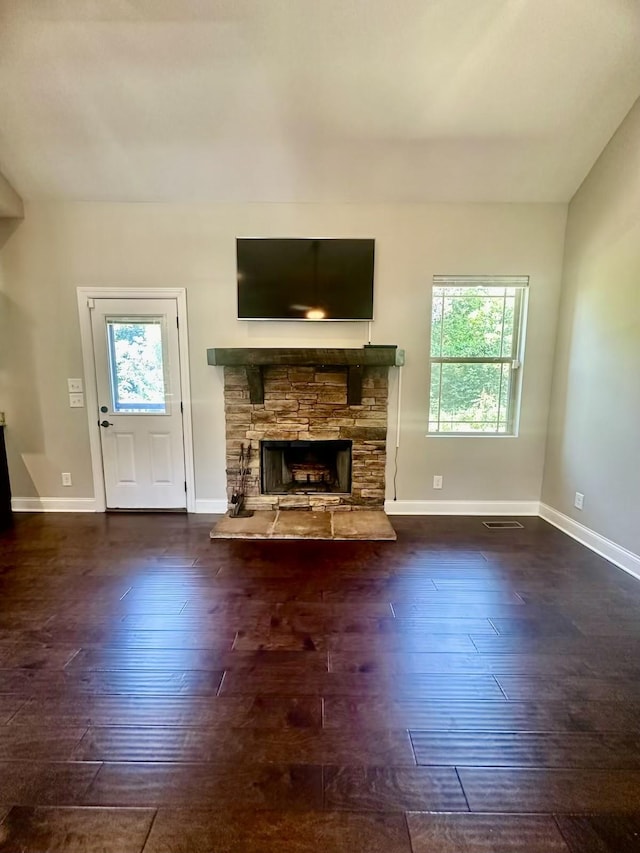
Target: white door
point(136, 352)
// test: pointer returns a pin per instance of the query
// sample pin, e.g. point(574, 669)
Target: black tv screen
point(304, 279)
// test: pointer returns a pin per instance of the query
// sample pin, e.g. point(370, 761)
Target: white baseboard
point(621, 557)
point(89, 505)
point(216, 506)
point(461, 507)
point(53, 504)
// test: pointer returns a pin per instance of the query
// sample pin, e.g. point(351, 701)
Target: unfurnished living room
point(319, 417)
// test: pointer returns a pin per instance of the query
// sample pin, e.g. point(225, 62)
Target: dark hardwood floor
point(458, 691)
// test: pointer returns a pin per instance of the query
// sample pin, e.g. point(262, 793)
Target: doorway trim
point(84, 294)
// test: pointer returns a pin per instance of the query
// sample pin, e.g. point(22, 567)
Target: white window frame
point(514, 358)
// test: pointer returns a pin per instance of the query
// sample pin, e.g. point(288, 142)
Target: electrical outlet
point(437, 481)
point(66, 479)
point(75, 386)
point(579, 500)
point(76, 401)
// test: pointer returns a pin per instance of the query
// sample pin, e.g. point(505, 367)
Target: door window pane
point(136, 365)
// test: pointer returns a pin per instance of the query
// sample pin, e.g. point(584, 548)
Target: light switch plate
point(75, 386)
point(76, 401)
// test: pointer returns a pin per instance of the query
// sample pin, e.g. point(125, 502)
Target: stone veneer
point(309, 403)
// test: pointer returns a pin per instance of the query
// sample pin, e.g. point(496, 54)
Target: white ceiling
point(312, 100)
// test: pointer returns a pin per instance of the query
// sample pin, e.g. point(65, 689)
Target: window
point(476, 351)
point(136, 365)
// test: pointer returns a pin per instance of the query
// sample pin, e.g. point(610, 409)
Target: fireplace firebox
point(305, 467)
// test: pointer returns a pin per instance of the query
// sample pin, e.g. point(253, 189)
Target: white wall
point(594, 426)
point(60, 247)
point(11, 204)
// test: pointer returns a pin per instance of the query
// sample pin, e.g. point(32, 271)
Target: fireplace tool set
point(237, 497)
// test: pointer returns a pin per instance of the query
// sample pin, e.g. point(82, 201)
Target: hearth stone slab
point(292, 524)
point(362, 524)
point(256, 526)
point(302, 524)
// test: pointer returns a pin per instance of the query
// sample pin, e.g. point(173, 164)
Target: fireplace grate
point(297, 488)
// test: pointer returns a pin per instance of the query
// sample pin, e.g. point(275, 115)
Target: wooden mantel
point(353, 360)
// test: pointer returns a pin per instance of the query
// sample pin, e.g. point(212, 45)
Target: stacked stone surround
point(309, 403)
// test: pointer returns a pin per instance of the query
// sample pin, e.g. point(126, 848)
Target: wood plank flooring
point(458, 691)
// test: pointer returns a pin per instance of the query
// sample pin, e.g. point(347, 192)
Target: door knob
point(105, 423)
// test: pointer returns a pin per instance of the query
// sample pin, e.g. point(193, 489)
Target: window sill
point(469, 435)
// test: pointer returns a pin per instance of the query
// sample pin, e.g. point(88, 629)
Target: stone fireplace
point(313, 433)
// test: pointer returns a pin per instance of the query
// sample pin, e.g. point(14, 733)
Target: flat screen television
point(305, 279)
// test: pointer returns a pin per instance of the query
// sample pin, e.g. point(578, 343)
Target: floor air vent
point(502, 525)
